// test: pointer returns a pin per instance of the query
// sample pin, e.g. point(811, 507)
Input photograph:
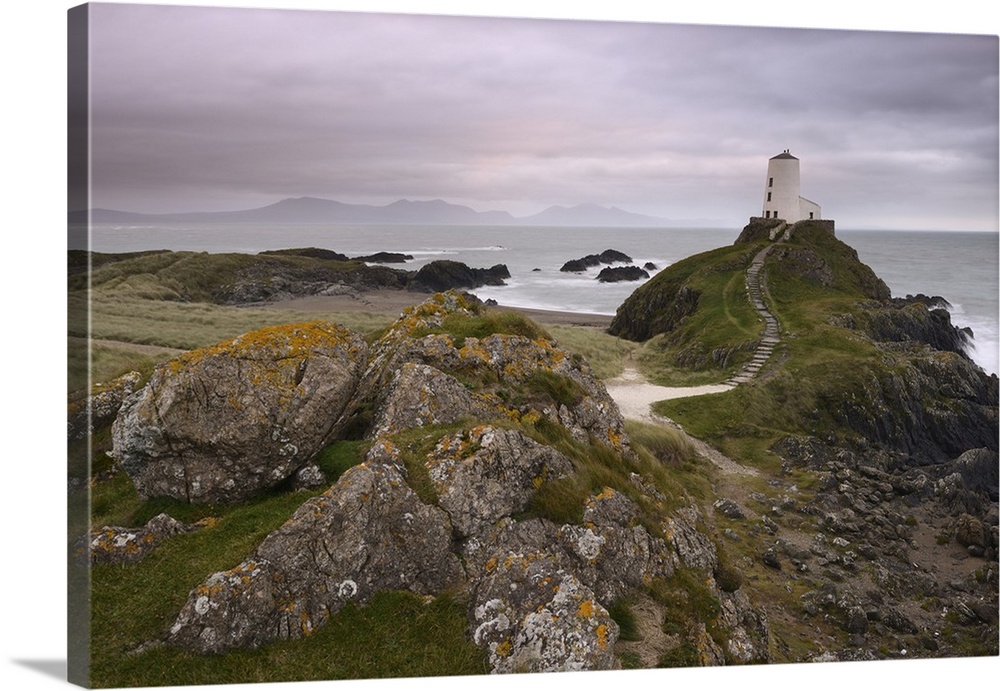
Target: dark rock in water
point(612, 256)
point(622, 273)
point(443, 275)
point(385, 258)
point(650, 266)
point(536, 270)
point(314, 252)
point(605, 257)
point(230, 421)
point(577, 266)
point(931, 301)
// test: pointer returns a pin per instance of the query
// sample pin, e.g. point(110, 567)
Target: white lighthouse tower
point(781, 191)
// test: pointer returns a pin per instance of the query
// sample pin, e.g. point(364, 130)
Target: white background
point(32, 418)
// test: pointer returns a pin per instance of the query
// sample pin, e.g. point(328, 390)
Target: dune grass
point(607, 355)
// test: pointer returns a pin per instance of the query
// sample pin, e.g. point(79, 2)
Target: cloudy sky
point(199, 109)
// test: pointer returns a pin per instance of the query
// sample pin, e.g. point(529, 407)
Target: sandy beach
point(395, 301)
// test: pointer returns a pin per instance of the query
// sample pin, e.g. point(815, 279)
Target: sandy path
point(634, 396)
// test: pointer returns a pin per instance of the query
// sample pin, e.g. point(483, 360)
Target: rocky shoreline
point(495, 465)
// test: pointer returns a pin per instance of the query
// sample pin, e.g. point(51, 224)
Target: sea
point(961, 267)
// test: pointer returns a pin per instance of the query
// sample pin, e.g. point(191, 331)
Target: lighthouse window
point(768, 196)
point(770, 182)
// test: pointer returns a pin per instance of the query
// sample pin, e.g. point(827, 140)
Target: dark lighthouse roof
point(784, 154)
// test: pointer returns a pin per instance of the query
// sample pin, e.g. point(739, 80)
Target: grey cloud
point(198, 108)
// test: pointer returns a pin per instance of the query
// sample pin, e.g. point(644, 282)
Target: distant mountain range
point(402, 212)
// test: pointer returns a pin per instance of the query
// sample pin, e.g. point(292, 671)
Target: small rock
point(770, 559)
point(730, 509)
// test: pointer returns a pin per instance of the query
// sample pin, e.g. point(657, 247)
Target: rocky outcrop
point(279, 276)
point(904, 321)
point(313, 252)
point(651, 312)
point(487, 474)
point(591, 260)
point(368, 533)
point(413, 379)
point(931, 406)
point(227, 422)
point(385, 258)
point(420, 395)
point(462, 517)
point(618, 274)
point(532, 616)
point(100, 408)
point(442, 275)
point(119, 545)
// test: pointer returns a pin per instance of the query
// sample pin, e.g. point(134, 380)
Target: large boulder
point(533, 616)
point(230, 421)
point(367, 534)
point(421, 395)
point(488, 473)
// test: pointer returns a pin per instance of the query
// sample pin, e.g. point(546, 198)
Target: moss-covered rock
point(228, 422)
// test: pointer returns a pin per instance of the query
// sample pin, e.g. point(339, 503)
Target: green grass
point(607, 355)
point(686, 345)
point(197, 324)
point(812, 372)
point(688, 602)
point(668, 463)
point(397, 634)
point(109, 361)
point(486, 322)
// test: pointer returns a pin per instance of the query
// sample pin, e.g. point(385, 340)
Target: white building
point(781, 191)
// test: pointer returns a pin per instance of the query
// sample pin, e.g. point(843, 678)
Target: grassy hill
point(834, 376)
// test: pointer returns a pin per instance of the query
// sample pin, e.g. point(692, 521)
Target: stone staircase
point(772, 329)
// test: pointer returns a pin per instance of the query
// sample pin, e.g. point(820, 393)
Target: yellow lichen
point(606, 494)
point(503, 648)
point(602, 636)
point(586, 609)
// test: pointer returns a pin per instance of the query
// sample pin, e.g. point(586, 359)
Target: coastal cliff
point(870, 402)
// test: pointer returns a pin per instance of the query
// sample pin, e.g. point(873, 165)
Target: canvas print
point(422, 346)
